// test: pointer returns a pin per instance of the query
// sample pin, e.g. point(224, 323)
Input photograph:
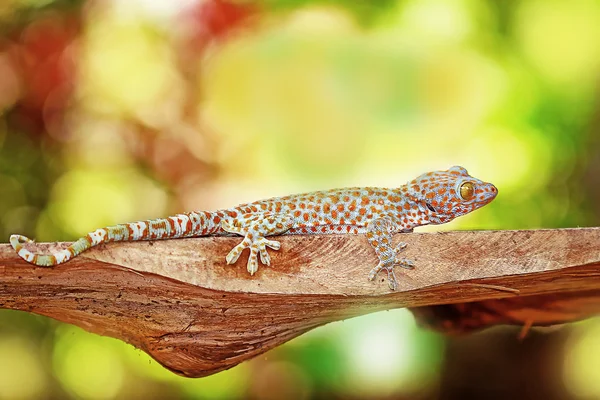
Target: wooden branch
point(179, 302)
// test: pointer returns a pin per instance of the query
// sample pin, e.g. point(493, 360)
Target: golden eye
point(467, 191)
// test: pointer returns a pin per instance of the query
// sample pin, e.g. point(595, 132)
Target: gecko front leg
point(254, 228)
point(379, 235)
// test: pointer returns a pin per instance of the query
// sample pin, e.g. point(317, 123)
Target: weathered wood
point(178, 301)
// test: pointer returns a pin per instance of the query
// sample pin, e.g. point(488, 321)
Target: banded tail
point(178, 226)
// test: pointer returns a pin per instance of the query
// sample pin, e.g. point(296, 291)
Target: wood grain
point(179, 302)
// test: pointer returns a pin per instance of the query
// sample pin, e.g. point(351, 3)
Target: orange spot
point(346, 198)
point(232, 214)
point(430, 195)
point(364, 200)
point(303, 205)
point(348, 228)
point(334, 199)
point(340, 207)
point(253, 208)
point(362, 211)
point(297, 213)
point(292, 206)
point(263, 206)
point(305, 217)
point(326, 208)
point(334, 214)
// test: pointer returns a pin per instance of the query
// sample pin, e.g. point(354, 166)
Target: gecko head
point(445, 195)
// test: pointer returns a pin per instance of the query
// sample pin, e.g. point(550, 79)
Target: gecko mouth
point(430, 207)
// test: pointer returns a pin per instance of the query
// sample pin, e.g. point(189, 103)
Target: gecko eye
point(467, 191)
point(430, 207)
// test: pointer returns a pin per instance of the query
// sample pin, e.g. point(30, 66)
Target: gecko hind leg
point(379, 235)
point(254, 228)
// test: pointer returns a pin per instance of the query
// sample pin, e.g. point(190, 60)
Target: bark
point(179, 302)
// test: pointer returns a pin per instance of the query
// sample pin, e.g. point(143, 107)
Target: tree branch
point(179, 302)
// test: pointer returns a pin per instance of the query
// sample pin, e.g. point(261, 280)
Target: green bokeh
point(307, 95)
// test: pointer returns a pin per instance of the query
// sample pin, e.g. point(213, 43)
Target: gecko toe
point(265, 258)
point(253, 261)
point(404, 263)
point(235, 253)
point(373, 273)
point(275, 245)
point(392, 282)
point(400, 246)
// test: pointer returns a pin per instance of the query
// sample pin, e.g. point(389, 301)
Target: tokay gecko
point(432, 198)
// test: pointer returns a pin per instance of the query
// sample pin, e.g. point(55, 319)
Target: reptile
point(433, 198)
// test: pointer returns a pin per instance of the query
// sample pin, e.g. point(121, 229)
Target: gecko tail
point(181, 225)
point(52, 259)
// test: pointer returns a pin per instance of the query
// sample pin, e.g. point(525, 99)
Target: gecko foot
point(392, 282)
point(257, 247)
point(388, 264)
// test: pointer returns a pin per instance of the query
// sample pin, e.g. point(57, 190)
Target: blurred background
point(113, 111)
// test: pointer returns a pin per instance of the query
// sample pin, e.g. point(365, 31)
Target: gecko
point(433, 198)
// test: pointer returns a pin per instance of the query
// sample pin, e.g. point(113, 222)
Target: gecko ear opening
point(430, 207)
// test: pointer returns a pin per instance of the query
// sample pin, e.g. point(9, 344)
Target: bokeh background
point(114, 111)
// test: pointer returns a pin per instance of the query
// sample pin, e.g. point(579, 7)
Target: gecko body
point(432, 198)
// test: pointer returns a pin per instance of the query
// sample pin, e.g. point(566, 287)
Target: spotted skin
point(432, 198)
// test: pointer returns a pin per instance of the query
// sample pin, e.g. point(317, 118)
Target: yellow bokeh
point(111, 194)
point(126, 66)
point(562, 40)
point(582, 360)
point(23, 376)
